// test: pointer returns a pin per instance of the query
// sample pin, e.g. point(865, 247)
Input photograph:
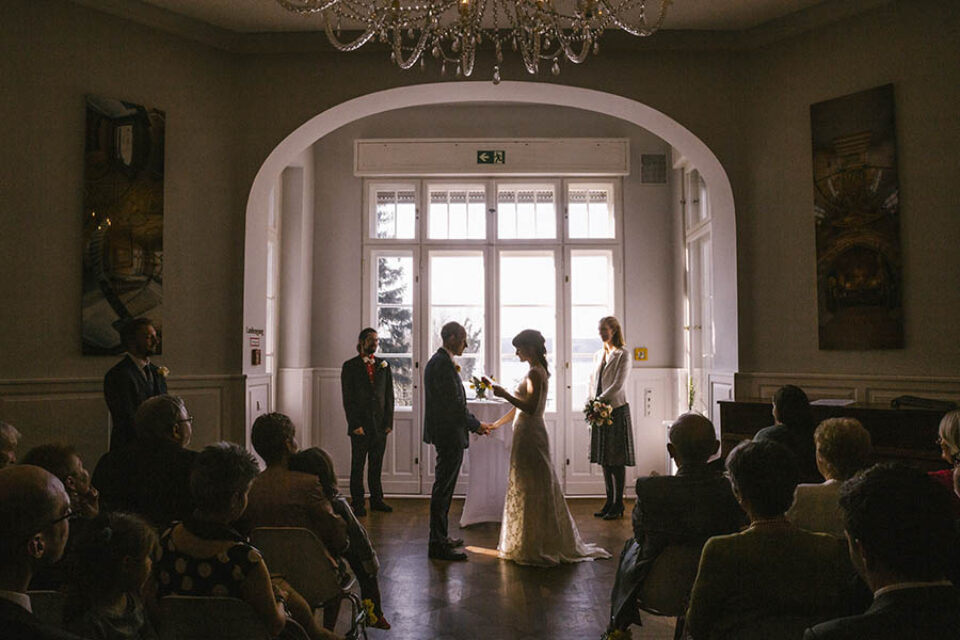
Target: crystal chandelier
point(452, 30)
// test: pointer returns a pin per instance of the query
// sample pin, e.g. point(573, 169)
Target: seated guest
point(9, 439)
point(280, 497)
point(900, 535)
point(151, 475)
point(62, 461)
point(843, 448)
point(793, 429)
point(684, 509)
point(34, 527)
point(206, 556)
point(774, 579)
point(360, 553)
point(949, 440)
point(110, 565)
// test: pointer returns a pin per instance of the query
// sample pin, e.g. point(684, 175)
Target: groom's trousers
point(446, 473)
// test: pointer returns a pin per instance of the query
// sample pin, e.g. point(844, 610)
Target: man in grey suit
point(446, 422)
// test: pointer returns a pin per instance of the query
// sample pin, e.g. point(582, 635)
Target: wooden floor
point(487, 598)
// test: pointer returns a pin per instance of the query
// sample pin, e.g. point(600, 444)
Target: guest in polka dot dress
point(206, 556)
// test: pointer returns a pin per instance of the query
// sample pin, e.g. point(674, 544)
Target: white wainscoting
point(861, 388)
point(73, 411)
point(655, 396)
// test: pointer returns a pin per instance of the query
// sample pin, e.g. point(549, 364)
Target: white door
point(590, 290)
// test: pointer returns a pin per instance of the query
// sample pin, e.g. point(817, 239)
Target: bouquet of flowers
point(597, 413)
point(480, 386)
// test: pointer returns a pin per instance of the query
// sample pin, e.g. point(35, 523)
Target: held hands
point(358, 431)
point(485, 428)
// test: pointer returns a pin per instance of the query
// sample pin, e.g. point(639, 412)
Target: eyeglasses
point(70, 515)
point(187, 419)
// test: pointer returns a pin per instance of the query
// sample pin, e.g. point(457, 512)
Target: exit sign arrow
point(491, 157)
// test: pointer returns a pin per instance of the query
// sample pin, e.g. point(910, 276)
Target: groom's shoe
point(380, 505)
point(445, 552)
point(455, 542)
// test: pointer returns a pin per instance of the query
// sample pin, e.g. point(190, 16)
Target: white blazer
point(613, 382)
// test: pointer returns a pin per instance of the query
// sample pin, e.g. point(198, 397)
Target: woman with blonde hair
point(611, 446)
point(948, 437)
point(843, 448)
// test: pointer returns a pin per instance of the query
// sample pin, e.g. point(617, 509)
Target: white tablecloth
point(489, 465)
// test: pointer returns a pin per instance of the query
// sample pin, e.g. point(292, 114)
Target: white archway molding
point(691, 147)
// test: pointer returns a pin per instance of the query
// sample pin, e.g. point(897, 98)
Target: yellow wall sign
point(640, 353)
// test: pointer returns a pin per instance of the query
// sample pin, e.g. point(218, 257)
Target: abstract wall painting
point(857, 210)
point(122, 220)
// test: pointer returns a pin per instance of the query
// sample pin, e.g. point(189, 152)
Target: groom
point(445, 425)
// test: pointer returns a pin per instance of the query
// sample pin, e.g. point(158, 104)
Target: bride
point(537, 526)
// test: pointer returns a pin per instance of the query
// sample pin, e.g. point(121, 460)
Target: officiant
point(367, 387)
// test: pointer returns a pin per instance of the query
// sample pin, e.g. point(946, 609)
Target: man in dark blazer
point(367, 387)
point(685, 509)
point(34, 512)
point(901, 539)
point(446, 422)
point(151, 475)
point(133, 379)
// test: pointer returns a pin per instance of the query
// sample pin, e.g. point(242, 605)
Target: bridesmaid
point(612, 445)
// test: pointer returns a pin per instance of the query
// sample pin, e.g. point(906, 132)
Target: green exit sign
point(491, 157)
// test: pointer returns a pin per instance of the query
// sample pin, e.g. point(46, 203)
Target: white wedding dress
point(537, 527)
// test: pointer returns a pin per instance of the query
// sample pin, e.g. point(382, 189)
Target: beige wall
point(225, 112)
point(915, 46)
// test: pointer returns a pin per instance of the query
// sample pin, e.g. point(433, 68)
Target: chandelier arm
point(307, 7)
point(531, 59)
point(643, 29)
point(361, 40)
point(415, 53)
point(568, 50)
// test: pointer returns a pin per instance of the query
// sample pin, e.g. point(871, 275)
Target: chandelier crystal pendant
point(451, 30)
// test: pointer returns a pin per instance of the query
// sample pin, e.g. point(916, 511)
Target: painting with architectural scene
point(122, 220)
point(857, 209)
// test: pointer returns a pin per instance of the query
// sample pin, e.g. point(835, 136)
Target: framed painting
point(857, 211)
point(122, 220)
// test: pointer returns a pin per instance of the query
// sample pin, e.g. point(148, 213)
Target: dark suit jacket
point(16, 623)
point(367, 405)
point(800, 445)
point(684, 509)
point(446, 420)
point(927, 613)
point(148, 477)
point(124, 388)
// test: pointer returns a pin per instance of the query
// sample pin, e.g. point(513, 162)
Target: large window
point(498, 256)
point(457, 294)
point(393, 305)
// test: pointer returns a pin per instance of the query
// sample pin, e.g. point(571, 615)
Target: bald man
point(34, 512)
point(684, 509)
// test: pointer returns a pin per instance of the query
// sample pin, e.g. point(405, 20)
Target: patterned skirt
point(612, 445)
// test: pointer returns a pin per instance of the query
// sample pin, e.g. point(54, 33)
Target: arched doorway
point(723, 253)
